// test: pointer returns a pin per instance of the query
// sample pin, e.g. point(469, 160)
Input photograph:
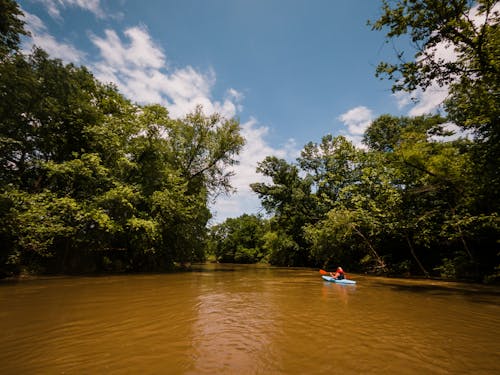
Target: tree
point(331, 165)
point(469, 32)
point(344, 237)
point(11, 27)
point(91, 182)
point(289, 198)
point(437, 188)
point(385, 133)
point(203, 147)
point(470, 28)
point(239, 240)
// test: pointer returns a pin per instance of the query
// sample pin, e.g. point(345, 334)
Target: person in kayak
point(339, 275)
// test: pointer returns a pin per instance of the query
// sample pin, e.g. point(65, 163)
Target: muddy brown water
point(228, 319)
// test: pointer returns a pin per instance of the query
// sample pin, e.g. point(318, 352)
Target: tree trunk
point(380, 261)
point(412, 251)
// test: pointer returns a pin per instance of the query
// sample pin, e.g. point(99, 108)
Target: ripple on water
point(246, 321)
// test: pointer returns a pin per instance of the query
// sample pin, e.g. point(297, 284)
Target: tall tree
point(457, 45)
point(90, 181)
point(289, 198)
point(470, 32)
point(331, 166)
point(11, 27)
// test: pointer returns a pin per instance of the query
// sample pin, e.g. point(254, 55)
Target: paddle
point(323, 272)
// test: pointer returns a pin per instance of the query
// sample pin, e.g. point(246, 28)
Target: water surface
point(226, 319)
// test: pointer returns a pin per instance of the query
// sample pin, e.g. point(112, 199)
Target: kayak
point(341, 281)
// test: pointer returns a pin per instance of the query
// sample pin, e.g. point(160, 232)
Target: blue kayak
point(342, 281)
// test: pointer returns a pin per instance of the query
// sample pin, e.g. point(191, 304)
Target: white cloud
point(429, 101)
point(402, 99)
point(54, 6)
point(457, 133)
point(357, 121)
point(479, 19)
point(139, 68)
point(41, 38)
point(255, 150)
point(141, 52)
point(422, 102)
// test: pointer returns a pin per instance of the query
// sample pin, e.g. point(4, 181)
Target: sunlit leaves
point(432, 26)
point(99, 181)
point(239, 240)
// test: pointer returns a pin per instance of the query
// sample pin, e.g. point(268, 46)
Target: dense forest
point(91, 182)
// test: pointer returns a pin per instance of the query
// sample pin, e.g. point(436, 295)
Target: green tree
point(203, 147)
point(239, 240)
point(289, 198)
point(470, 29)
point(438, 189)
point(343, 237)
point(182, 165)
point(11, 27)
point(330, 165)
point(91, 182)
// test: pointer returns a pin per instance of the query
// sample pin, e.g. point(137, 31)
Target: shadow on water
point(206, 270)
point(231, 267)
point(475, 293)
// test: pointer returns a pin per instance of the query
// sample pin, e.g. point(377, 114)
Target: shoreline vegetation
point(93, 183)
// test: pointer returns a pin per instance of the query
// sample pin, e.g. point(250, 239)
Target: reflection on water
point(340, 292)
point(233, 331)
point(248, 320)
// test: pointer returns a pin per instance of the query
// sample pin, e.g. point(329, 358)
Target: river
point(231, 319)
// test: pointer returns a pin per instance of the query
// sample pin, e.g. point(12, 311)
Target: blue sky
point(292, 71)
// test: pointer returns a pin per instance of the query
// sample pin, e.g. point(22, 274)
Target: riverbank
point(193, 267)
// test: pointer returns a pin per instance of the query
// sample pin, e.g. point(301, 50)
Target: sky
point(291, 71)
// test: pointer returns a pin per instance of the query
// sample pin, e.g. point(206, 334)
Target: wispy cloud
point(41, 38)
point(54, 7)
point(140, 52)
point(422, 102)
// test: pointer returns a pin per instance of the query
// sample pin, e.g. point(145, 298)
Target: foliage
point(239, 240)
point(91, 182)
point(404, 205)
point(289, 198)
point(11, 27)
point(469, 28)
point(464, 177)
point(281, 249)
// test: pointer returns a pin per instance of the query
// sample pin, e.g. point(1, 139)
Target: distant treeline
point(91, 182)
